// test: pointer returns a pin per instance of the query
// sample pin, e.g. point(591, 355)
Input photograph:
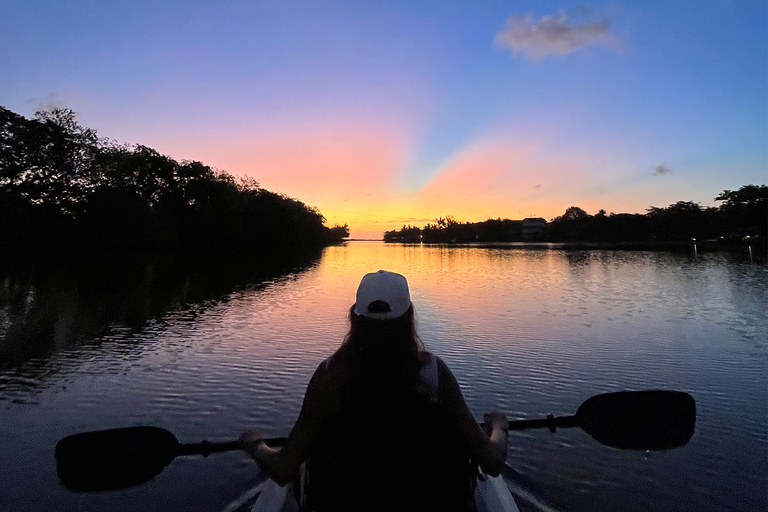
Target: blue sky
point(399, 112)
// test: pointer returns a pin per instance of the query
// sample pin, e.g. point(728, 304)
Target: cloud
point(552, 35)
point(51, 102)
point(661, 170)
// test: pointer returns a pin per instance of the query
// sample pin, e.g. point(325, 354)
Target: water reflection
point(50, 308)
point(530, 332)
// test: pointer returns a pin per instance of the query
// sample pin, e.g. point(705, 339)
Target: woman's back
point(389, 446)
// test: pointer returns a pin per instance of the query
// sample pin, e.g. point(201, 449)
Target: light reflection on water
point(529, 332)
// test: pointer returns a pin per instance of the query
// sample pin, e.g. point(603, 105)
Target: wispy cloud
point(54, 100)
point(661, 170)
point(552, 35)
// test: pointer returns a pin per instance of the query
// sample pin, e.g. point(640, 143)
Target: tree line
point(64, 188)
point(742, 216)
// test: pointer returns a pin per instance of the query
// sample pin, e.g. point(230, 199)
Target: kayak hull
point(491, 495)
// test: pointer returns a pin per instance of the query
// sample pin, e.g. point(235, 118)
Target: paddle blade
point(113, 459)
point(639, 420)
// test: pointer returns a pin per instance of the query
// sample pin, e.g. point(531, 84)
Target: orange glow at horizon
point(488, 179)
point(353, 173)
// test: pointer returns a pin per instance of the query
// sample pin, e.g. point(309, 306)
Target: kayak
point(491, 495)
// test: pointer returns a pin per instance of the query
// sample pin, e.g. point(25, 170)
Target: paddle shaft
point(205, 448)
point(550, 422)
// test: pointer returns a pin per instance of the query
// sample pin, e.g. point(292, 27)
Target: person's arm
point(282, 465)
point(489, 449)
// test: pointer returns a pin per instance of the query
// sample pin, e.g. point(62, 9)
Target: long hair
point(385, 350)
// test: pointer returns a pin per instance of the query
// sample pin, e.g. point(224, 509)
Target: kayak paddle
point(105, 460)
point(630, 420)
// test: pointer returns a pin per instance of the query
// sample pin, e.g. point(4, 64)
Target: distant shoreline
point(705, 245)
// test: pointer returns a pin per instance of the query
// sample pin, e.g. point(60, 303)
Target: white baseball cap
point(384, 286)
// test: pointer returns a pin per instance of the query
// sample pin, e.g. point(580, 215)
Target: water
point(528, 332)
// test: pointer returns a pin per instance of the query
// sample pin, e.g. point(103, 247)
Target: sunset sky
point(401, 111)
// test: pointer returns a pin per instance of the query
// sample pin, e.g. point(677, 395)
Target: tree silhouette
point(744, 211)
point(63, 187)
point(340, 231)
point(574, 212)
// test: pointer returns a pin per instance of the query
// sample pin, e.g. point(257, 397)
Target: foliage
point(340, 232)
point(573, 213)
point(64, 188)
point(744, 213)
point(684, 220)
point(449, 230)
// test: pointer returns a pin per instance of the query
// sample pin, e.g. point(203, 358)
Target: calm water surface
point(528, 332)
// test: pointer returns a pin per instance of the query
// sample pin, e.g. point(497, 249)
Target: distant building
point(532, 228)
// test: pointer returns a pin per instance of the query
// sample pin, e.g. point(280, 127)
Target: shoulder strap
point(429, 378)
